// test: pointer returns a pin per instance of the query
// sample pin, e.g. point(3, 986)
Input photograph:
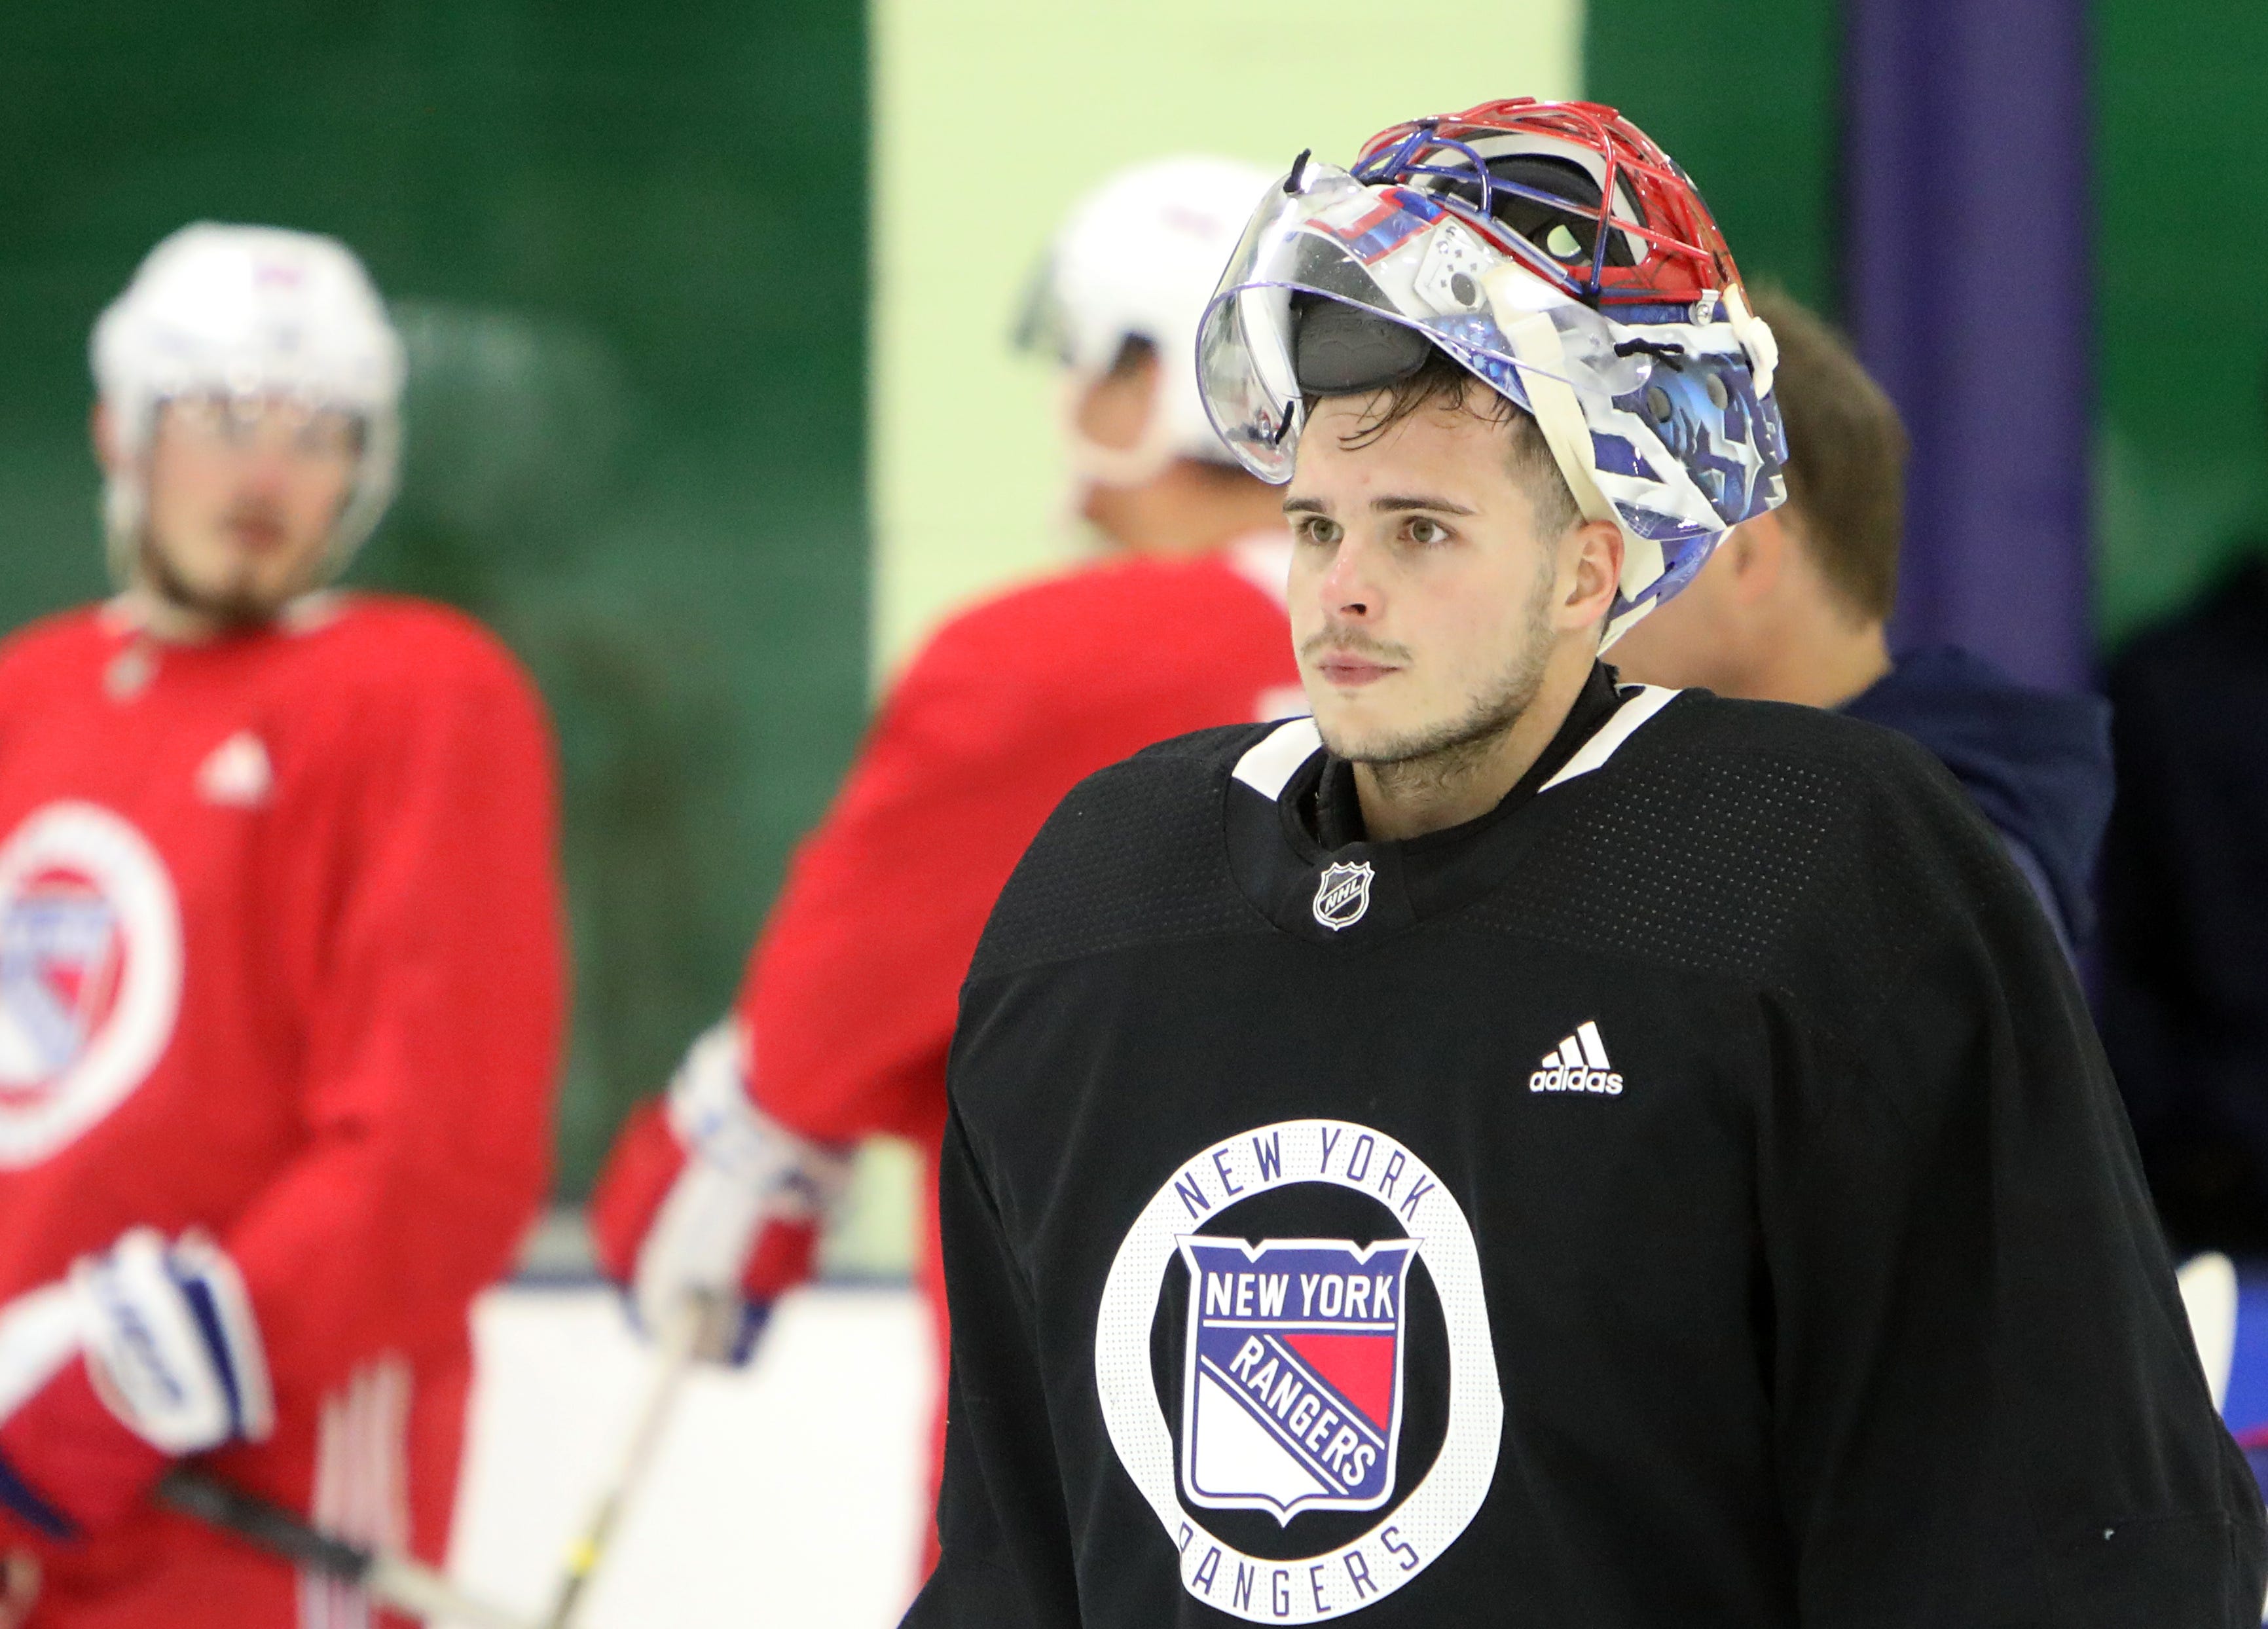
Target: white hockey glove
point(171, 1342)
point(173, 1367)
point(710, 1209)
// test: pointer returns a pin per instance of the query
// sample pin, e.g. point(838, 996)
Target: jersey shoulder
point(60, 640)
point(1134, 854)
point(409, 641)
point(398, 651)
point(1778, 845)
point(1851, 757)
point(377, 678)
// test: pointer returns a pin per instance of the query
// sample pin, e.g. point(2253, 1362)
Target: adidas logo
point(1579, 1064)
point(238, 773)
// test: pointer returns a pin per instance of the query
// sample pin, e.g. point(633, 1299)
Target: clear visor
point(1392, 251)
point(1043, 327)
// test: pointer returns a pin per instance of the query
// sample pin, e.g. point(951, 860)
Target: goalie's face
point(1426, 604)
point(243, 493)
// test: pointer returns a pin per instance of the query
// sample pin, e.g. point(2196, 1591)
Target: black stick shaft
point(269, 1526)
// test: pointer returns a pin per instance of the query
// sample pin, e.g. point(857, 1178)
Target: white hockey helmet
point(250, 311)
point(1138, 259)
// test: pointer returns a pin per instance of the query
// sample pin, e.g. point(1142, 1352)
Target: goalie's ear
point(1590, 568)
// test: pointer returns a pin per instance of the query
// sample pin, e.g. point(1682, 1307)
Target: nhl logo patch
point(1343, 894)
point(1292, 1396)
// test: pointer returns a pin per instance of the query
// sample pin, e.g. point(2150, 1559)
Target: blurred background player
point(1793, 608)
point(280, 970)
point(2184, 1000)
point(843, 1023)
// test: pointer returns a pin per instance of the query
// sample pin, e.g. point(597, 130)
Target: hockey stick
point(673, 1358)
point(387, 1577)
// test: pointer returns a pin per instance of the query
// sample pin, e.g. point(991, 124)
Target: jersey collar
point(1296, 842)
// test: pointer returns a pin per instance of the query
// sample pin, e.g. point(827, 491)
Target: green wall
point(1743, 93)
point(627, 245)
point(2181, 212)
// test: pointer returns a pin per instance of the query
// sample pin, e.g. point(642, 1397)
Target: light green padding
point(990, 118)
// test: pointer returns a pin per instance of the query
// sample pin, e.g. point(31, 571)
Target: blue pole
point(1966, 276)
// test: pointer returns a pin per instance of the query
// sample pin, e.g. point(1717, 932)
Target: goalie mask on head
point(1555, 251)
point(249, 312)
point(1137, 258)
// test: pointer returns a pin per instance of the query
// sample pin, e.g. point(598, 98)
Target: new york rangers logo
point(90, 973)
point(1343, 894)
point(1292, 1398)
point(1294, 1357)
point(60, 953)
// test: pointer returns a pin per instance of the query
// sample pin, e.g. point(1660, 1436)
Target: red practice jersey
point(280, 958)
point(850, 996)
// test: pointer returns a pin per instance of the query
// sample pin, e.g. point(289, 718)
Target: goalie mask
point(250, 312)
point(1555, 251)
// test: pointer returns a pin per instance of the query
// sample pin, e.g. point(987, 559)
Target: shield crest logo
point(1292, 1383)
point(62, 952)
point(90, 973)
point(1343, 894)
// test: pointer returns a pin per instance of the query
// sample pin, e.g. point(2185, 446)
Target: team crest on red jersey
point(90, 973)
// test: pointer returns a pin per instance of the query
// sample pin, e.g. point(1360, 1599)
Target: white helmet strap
point(1150, 455)
point(1544, 371)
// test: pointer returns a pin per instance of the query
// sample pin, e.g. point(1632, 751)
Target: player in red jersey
point(844, 1022)
point(280, 971)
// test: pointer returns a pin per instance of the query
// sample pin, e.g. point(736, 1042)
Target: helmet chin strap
point(1559, 416)
point(1756, 337)
point(1152, 453)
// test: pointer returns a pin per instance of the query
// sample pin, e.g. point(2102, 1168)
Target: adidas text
point(1559, 1078)
point(1579, 1064)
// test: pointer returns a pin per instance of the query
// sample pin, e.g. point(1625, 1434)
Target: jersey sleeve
point(884, 903)
point(1004, 1548)
point(1988, 1406)
point(432, 1039)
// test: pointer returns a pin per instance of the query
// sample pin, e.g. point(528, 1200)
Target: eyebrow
point(1386, 504)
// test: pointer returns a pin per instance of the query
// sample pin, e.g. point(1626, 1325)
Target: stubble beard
point(1424, 761)
point(232, 608)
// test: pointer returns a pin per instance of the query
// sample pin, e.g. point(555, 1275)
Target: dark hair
point(1134, 351)
point(1846, 449)
point(1443, 382)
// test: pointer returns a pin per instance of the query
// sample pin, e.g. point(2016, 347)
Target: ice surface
point(789, 1492)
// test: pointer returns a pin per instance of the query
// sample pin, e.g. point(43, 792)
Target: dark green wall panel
point(626, 247)
point(1743, 93)
point(2182, 196)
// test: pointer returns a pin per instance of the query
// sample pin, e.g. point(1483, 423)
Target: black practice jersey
point(1690, 1194)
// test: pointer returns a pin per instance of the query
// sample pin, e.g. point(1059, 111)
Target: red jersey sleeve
point(433, 1032)
point(852, 993)
point(850, 996)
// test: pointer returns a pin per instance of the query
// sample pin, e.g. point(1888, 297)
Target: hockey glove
point(146, 1353)
point(708, 1200)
